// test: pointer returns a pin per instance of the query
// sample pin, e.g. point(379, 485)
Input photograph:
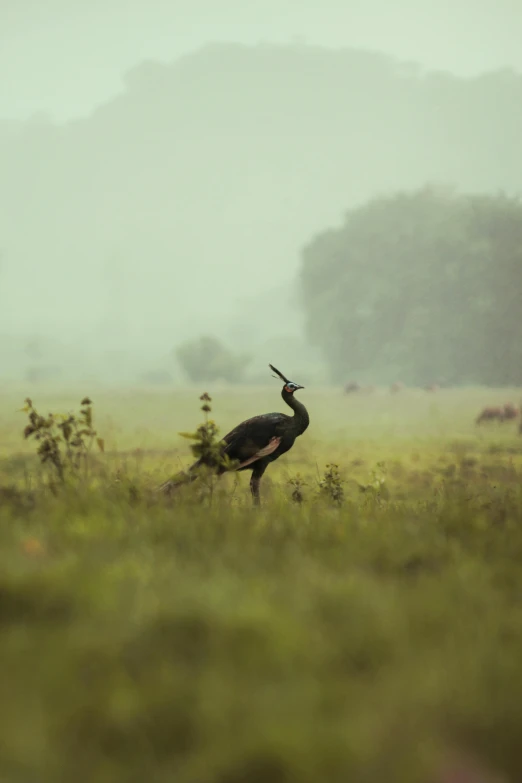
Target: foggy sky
point(67, 57)
point(180, 207)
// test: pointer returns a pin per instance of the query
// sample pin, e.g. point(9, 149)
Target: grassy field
point(148, 639)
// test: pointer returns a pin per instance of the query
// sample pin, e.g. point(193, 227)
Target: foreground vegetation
point(376, 638)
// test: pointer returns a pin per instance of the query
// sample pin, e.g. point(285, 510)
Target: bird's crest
point(279, 374)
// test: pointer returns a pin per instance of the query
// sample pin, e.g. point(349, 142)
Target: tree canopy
point(420, 286)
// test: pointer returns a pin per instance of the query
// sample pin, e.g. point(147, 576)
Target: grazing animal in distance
point(396, 387)
point(432, 387)
point(353, 388)
point(257, 442)
point(511, 411)
point(490, 413)
point(506, 412)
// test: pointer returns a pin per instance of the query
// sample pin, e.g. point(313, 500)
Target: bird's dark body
point(258, 441)
point(255, 433)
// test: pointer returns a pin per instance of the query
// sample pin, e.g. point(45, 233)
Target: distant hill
point(201, 182)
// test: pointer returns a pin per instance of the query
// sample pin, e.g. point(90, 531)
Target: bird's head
point(289, 386)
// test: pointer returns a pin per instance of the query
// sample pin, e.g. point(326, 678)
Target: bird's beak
point(300, 387)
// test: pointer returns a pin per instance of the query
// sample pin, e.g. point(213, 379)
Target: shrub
point(207, 359)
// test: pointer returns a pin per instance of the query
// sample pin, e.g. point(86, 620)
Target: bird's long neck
point(300, 419)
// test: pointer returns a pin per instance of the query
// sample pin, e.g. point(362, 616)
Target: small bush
point(207, 359)
point(65, 440)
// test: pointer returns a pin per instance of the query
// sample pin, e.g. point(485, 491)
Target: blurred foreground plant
point(376, 489)
point(65, 440)
point(331, 484)
point(207, 448)
point(297, 482)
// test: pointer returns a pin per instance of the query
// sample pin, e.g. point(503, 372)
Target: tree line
point(420, 286)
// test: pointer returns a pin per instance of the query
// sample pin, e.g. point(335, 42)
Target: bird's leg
point(255, 482)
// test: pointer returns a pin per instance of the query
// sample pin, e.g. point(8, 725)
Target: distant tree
point(207, 359)
point(418, 286)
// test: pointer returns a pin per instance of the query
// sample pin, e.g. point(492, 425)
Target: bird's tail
point(179, 480)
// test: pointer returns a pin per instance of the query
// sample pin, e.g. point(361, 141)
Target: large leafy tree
point(420, 286)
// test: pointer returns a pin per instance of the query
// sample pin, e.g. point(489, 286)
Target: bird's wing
point(255, 438)
point(272, 446)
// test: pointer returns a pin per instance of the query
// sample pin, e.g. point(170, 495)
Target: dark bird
point(258, 441)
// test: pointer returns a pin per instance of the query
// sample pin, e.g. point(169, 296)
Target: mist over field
point(177, 203)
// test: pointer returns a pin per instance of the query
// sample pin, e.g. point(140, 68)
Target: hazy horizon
point(156, 188)
point(66, 61)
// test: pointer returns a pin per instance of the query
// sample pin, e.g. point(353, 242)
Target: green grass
point(143, 639)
